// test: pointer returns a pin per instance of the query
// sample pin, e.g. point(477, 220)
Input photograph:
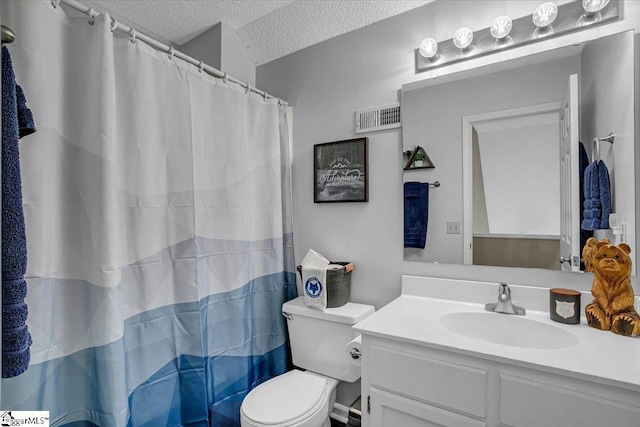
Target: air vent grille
point(378, 118)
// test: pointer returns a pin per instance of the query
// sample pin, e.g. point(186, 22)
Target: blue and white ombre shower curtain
point(158, 219)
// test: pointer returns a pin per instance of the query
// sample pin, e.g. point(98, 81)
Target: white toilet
point(319, 345)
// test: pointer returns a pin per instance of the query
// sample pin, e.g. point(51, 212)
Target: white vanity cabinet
point(413, 385)
point(491, 369)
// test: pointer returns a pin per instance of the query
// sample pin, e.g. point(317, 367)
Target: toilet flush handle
point(289, 316)
point(355, 353)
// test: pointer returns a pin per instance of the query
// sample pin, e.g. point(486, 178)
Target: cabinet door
point(391, 410)
point(528, 402)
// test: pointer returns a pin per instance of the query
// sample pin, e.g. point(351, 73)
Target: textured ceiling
point(270, 29)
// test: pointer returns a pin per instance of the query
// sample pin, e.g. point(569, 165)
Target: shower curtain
point(158, 218)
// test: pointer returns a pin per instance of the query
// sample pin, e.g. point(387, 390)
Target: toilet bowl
point(319, 346)
point(294, 399)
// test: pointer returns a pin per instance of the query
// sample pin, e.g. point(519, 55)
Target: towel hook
point(596, 144)
point(7, 35)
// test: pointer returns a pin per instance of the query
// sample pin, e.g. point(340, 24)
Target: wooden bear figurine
point(612, 308)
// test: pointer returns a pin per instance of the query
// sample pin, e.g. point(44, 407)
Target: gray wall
point(206, 46)
point(221, 48)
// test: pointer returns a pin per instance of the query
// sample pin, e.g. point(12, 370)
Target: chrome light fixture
point(592, 7)
point(501, 27)
point(544, 15)
point(462, 38)
point(429, 48)
point(546, 21)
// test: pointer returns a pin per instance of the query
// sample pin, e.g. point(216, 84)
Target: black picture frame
point(340, 171)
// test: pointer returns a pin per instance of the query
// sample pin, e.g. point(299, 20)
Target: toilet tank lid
point(350, 313)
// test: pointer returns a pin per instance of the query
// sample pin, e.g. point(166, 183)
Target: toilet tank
point(319, 338)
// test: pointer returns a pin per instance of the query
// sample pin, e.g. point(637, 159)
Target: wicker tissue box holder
point(338, 284)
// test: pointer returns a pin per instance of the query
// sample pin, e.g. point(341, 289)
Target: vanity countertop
point(415, 317)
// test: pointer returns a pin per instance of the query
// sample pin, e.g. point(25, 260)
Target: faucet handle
point(504, 292)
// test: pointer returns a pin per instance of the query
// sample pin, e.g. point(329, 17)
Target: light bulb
point(501, 27)
point(429, 48)
point(545, 14)
point(591, 7)
point(462, 38)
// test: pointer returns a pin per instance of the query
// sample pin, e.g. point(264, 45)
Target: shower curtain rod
point(115, 25)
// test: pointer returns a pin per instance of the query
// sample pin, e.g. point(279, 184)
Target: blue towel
point(416, 214)
point(597, 197)
point(591, 204)
point(583, 162)
point(17, 121)
point(592, 210)
point(605, 194)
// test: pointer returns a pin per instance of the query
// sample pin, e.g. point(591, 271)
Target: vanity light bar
point(504, 34)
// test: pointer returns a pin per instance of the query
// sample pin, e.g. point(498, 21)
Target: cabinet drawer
point(525, 402)
point(454, 386)
point(390, 410)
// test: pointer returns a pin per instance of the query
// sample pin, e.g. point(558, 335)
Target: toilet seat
point(281, 401)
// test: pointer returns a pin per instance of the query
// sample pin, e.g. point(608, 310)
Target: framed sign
point(340, 171)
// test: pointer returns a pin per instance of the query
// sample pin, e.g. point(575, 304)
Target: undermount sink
point(510, 330)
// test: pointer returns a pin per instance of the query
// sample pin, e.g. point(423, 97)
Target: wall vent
point(378, 118)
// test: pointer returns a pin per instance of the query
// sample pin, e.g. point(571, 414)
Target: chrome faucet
point(504, 304)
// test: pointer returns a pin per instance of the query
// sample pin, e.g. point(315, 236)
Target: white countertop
point(414, 317)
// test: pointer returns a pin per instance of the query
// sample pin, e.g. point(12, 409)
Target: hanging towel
point(605, 194)
point(314, 279)
point(583, 163)
point(17, 122)
point(597, 197)
point(592, 209)
point(416, 214)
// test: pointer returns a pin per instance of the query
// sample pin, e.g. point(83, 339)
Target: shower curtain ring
point(114, 25)
point(224, 78)
point(55, 3)
point(247, 89)
point(92, 19)
point(200, 66)
point(172, 51)
point(264, 96)
point(133, 35)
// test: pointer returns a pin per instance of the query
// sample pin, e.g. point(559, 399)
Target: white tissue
point(314, 277)
point(354, 344)
point(314, 259)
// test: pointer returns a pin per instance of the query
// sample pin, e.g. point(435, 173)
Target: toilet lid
point(284, 398)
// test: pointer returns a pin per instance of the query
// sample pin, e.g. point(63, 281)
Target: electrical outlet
point(453, 227)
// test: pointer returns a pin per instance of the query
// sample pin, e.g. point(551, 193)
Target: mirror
point(496, 138)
